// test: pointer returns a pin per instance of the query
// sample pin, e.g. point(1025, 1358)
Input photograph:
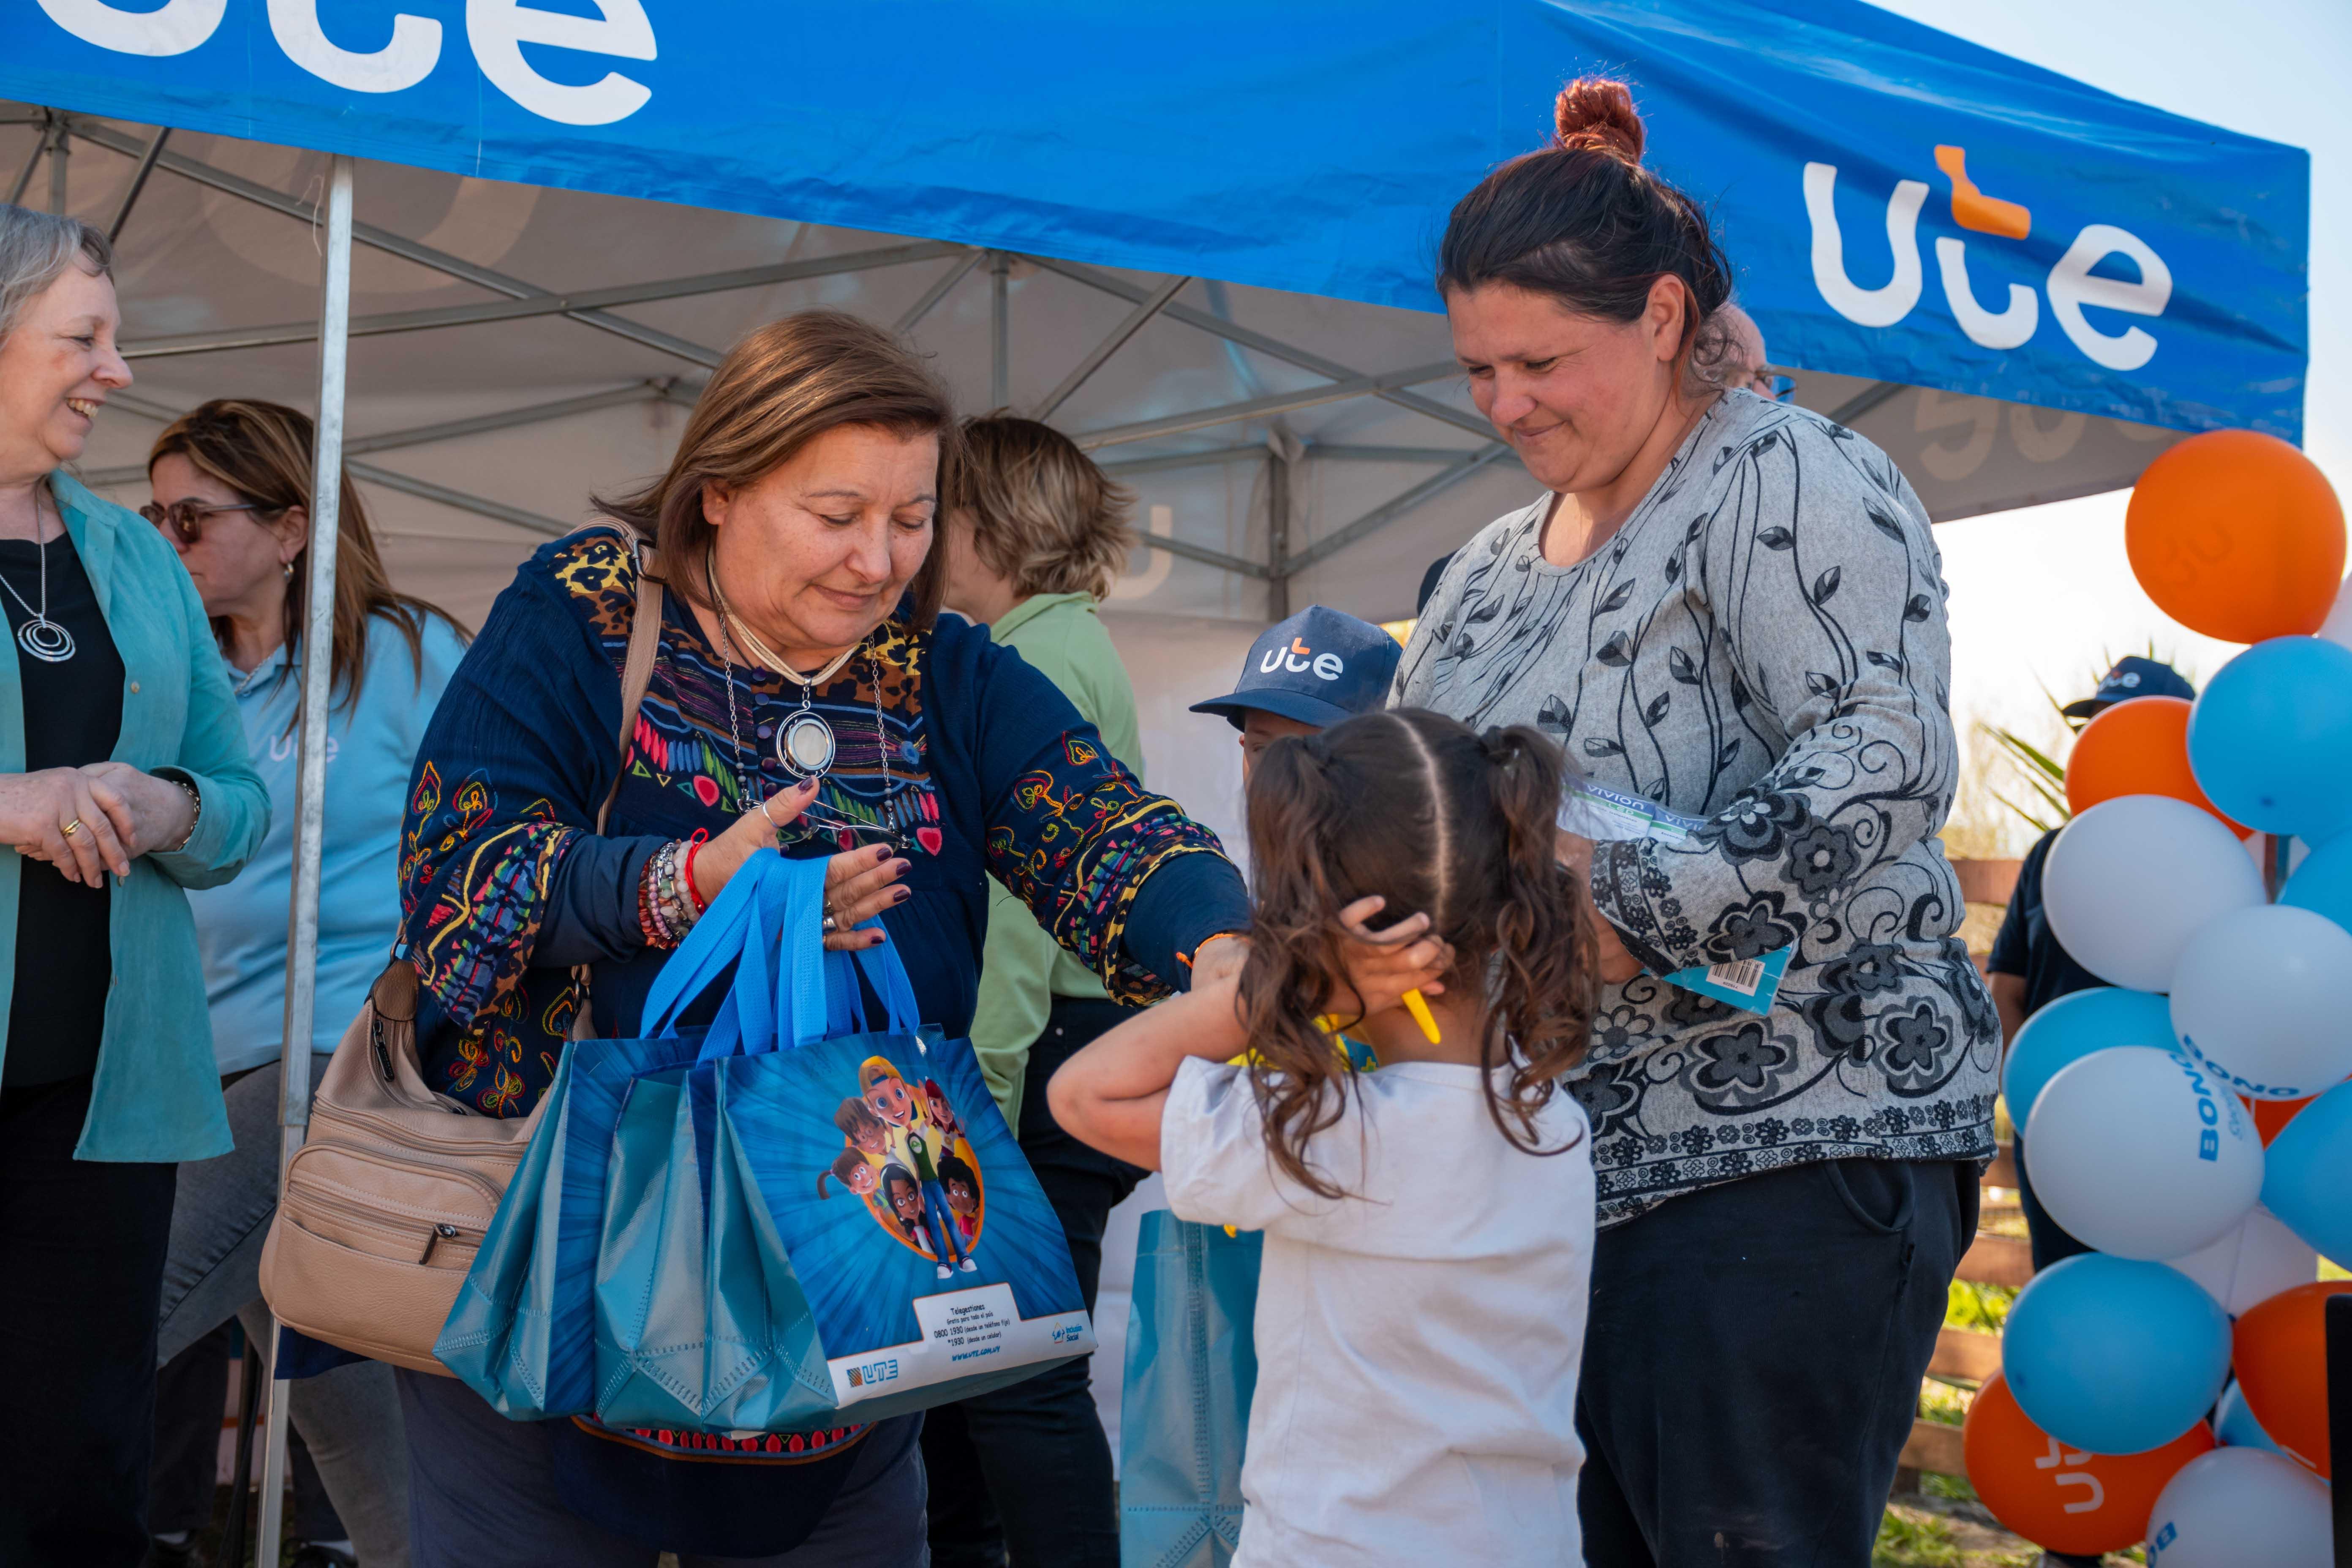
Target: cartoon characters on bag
point(906, 1155)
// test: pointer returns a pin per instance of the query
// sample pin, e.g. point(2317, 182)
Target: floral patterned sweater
point(1762, 646)
point(505, 882)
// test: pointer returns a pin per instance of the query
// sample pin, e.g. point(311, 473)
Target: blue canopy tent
point(1201, 242)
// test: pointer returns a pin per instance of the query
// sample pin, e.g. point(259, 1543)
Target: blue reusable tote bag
point(522, 1331)
point(664, 1356)
point(1191, 1367)
point(875, 1225)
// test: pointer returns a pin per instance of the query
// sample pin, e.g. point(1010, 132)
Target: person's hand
point(35, 809)
point(158, 812)
point(858, 883)
point(1383, 964)
point(1610, 960)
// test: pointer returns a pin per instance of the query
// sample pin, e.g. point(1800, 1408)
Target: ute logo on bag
point(874, 1371)
point(2071, 285)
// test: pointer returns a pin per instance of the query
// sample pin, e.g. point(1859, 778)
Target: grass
point(1984, 1308)
point(1909, 1540)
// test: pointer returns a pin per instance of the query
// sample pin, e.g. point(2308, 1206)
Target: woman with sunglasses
point(803, 694)
point(123, 782)
point(232, 489)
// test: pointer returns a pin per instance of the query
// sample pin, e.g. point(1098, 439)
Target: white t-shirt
point(1417, 1340)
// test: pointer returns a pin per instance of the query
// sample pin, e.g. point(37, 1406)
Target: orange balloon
point(2280, 1349)
point(2139, 747)
point(2237, 535)
point(2058, 1497)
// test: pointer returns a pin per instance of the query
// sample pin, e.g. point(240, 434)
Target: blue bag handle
point(887, 973)
point(716, 942)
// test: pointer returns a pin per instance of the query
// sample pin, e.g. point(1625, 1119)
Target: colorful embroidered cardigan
point(505, 883)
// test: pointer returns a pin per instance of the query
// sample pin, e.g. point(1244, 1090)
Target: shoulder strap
point(644, 641)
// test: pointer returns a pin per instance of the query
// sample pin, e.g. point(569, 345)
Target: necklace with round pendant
point(40, 637)
point(805, 745)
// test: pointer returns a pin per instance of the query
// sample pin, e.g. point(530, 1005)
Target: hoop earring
point(287, 568)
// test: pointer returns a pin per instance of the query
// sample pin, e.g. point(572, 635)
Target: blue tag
point(1746, 983)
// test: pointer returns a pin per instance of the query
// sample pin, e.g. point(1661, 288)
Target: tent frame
point(523, 300)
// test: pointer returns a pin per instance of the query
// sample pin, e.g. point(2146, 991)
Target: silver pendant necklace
point(41, 637)
point(804, 743)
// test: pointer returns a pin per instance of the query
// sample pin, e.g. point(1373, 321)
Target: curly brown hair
point(1413, 806)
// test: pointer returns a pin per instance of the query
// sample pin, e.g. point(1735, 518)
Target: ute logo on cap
point(1299, 660)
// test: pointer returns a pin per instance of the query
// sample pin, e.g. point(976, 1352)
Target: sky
point(2043, 596)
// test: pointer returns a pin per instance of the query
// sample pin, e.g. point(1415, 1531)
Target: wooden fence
point(1964, 1355)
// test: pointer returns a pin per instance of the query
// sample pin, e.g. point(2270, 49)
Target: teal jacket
point(157, 1096)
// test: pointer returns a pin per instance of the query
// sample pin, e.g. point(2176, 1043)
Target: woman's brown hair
point(1582, 221)
point(776, 391)
point(1412, 805)
point(1044, 516)
point(263, 452)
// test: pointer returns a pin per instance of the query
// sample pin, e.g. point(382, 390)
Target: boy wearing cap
point(2028, 969)
point(1305, 675)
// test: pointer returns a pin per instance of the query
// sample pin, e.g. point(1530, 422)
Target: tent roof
point(1313, 148)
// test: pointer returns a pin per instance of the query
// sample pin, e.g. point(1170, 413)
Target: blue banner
point(1900, 204)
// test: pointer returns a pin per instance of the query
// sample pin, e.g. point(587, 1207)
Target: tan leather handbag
point(385, 1203)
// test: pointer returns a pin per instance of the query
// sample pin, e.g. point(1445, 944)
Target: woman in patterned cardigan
point(1732, 607)
point(802, 695)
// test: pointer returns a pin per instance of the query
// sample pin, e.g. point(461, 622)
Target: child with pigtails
point(1428, 1227)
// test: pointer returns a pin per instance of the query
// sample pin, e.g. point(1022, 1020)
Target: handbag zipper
point(369, 1154)
point(372, 1220)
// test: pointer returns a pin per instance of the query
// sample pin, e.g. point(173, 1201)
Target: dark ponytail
point(1413, 807)
point(1582, 221)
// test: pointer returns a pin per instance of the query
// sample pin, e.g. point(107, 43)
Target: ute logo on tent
point(2071, 285)
point(495, 29)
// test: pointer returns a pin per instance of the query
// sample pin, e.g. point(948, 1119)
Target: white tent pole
point(1000, 330)
point(310, 804)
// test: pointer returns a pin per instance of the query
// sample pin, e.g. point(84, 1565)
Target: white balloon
point(2144, 1155)
point(2241, 1507)
point(2251, 1264)
point(2259, 996)
point(2129, 881)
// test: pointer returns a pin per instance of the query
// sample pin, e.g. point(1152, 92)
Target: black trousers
point(1752, 1362)
point(84, 1241)
point(1027, 1468)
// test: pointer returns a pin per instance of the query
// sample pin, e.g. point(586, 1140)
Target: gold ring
point(73, 827)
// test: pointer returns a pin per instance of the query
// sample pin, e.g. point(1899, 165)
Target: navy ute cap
point(2132, 677)
point(1319, 666)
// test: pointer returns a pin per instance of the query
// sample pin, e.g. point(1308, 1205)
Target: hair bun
point(1596, 113)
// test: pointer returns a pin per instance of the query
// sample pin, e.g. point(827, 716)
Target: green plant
point(1909, 1540)
point(2044, 778)
point(1984, 1308)
point(1951, 1489)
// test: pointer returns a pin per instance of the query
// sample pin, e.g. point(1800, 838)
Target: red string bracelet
point(694, 847)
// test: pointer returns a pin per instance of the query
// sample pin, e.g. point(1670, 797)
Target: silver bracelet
point(196, 815)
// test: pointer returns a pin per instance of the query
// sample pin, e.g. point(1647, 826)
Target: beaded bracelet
point(666, 906)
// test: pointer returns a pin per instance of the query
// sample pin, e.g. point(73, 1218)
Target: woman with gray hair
point(124, 780)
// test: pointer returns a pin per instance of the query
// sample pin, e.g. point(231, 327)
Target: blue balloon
point(2322, 883)
point(2234, 1423)
point(2270, 738)
point(2072, 1028)
point(2115, 1356)
point(2307, 1173)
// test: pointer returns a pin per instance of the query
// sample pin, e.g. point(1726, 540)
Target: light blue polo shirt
point(371, 748)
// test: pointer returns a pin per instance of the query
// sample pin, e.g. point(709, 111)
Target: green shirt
point(1022, 969)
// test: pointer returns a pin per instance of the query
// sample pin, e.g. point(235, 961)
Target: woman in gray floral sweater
point(1734, 608)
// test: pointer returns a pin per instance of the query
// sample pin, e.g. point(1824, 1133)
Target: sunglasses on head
point(186, 518)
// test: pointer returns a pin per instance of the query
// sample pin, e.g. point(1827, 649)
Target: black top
point(2026, 946)
point(73, 713)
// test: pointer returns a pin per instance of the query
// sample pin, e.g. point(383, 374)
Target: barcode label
point(1740, 974)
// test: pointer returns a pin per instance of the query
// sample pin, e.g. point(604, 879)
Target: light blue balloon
point(2307, 1173)
point(2322, 883)
point(2270, 739)
point(2115, 1356)
point(2234, 1423)
point(2072, 1028)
